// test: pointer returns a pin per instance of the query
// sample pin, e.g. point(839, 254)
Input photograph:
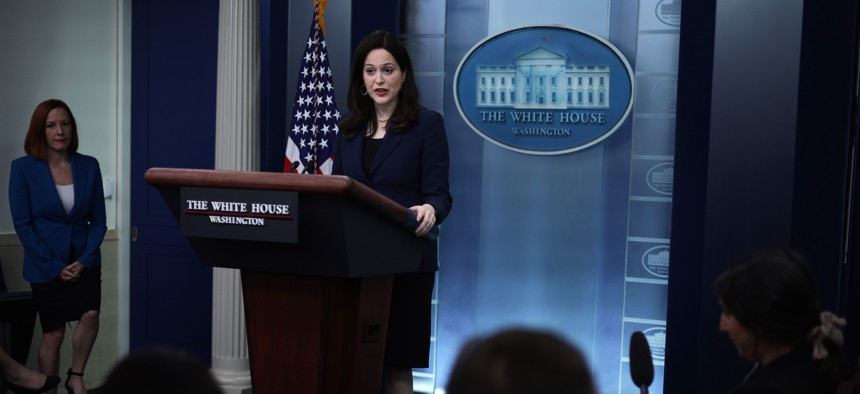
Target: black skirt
point(407, 344)
point(61, 302)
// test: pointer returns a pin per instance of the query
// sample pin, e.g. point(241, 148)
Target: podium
point(316, 306)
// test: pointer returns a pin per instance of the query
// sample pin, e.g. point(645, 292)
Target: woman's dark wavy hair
point(36, 143)
point(773, 294)
point(361, 109)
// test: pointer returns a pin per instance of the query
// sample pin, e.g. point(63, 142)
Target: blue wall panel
point(549, 241)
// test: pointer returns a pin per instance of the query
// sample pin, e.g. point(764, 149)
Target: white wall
point(67, 50)
point(80, 52)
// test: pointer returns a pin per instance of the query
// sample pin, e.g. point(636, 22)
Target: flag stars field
point(315, 113)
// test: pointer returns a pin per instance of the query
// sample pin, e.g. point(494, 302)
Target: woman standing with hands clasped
point(398, 148)
point(57, 204)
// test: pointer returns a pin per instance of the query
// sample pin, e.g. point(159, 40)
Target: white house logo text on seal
point(656, 261)
point(669, 12)
point(661, 177)
point(656, 337)
point(544, 89)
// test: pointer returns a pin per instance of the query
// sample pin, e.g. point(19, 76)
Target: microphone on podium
point(641, 364)
point(311, 168)
point(293, 166)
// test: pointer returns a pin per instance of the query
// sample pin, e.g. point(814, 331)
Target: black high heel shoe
point(50, 382)
point(68, 375)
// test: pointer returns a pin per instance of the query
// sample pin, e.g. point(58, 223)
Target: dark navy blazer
point(411, 168)
point(45, 229)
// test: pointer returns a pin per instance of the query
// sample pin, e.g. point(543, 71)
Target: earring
point(363, 90)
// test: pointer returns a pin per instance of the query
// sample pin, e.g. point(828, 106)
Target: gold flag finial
point(320, 6)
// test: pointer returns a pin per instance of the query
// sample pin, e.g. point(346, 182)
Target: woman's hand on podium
point(425, 215)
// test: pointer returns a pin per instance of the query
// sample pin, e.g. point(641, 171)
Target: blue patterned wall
point(577, 243)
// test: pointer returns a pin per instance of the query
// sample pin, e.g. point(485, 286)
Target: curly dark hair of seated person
point(361, 107)
point(520, 361)
point(160, 370)
point(773, 294)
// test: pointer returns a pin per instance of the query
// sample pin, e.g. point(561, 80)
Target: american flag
point(313, 125)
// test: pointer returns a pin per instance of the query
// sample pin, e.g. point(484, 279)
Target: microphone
point(293, 166)
point(310, 168)
point(641, 364)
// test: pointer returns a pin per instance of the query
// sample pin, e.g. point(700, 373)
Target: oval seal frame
point(544, 90)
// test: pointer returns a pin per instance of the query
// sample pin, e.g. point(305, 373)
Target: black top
point(371, 146)
point(792, 373)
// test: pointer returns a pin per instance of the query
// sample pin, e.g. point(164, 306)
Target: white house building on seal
point(541, 79)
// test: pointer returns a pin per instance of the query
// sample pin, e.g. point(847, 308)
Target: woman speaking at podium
point(397, 147)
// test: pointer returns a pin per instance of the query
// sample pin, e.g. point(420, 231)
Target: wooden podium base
point(316, 311)
point(315, 335)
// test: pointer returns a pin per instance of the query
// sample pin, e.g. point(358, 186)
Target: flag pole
point(320, 6)
point(319, 34)
point(314, 124)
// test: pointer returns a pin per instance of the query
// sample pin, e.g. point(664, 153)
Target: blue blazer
point(410, 168)
point(45, 229)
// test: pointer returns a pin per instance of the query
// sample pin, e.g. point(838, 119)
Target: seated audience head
point(160, 370)
point(770, 308)
point(772, 295)
point(520, 361)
